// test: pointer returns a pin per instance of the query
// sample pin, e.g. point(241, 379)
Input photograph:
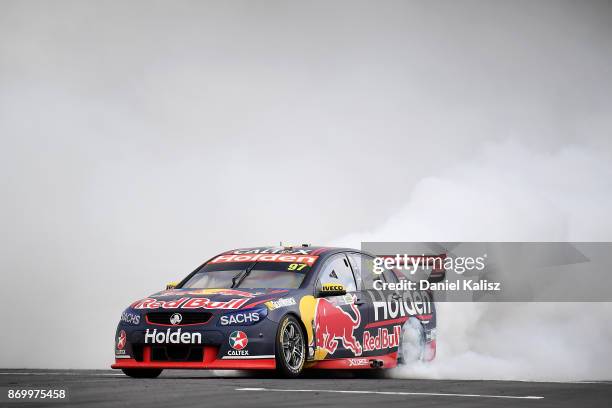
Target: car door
point(339, 320)
point(381, 335)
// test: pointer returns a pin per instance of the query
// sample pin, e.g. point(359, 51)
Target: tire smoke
point(508, 193)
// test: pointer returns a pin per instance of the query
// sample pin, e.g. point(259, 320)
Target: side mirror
point(331, 289)
point(171, 285)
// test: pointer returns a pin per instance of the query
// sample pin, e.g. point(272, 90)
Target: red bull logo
point(189, 303)
point(331, 323)
point(382, 339)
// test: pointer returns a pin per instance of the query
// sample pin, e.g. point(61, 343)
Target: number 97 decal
point(296, 267)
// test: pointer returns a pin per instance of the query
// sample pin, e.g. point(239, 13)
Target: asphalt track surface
point(106, 388)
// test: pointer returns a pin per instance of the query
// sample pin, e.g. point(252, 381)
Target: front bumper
point(210, 361)
point(211, 348)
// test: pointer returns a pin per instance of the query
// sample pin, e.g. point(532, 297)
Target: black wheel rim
point(292, 345)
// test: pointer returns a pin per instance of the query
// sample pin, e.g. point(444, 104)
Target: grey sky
point(139, 138)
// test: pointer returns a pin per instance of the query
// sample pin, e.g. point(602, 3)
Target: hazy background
point(139, 138)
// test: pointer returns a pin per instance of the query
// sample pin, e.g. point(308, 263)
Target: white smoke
point(520, 341)
point(508, 193)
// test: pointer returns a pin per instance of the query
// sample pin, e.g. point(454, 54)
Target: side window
point(365, 265)
point(337, 270)
point(360, 276)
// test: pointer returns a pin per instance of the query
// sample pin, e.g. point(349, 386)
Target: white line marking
point(530, 397)
point(558, 382)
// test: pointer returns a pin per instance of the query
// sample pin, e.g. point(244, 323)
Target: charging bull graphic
point(331, 322)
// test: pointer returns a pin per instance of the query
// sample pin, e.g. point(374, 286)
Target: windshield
point(259, 275)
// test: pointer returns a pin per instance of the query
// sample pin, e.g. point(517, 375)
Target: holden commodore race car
point(278, 308)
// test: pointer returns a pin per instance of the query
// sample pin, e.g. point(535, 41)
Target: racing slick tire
point(142, 372)
point(290, 347)
point(412, 343)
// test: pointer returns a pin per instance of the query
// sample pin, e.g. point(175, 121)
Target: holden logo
point(121, 340)
point(238, 340)
point(176, 319)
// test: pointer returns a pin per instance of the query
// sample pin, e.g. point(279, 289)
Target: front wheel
point(290, 347)
point(142, 372)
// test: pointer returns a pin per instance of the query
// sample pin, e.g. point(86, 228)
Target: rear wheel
point(290, 347)
point(142, 372)
point(412, 345)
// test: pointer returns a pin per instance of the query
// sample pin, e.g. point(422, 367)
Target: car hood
point(208, 299)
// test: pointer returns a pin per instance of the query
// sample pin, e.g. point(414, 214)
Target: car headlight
point(244, 317)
